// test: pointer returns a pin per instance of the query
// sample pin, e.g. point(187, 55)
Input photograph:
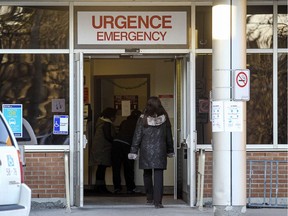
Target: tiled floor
point(127, 200)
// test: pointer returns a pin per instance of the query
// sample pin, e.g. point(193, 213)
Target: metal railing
point(200, 176)
point(266, 174)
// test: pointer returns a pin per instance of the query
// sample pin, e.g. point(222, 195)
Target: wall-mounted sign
point(58, 105)
point(132, 27)
point(168, 103)
point(86, 95)
point(217, 116)
point(233, 116)
point(126, 107)
point(241, 85)
point(60, 124)
point(204, 105)
point(133, 103)
point(13, 113)
point(227, 116)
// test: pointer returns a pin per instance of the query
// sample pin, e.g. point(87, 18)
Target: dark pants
point(100, 173)
point(120, 153)
point(100, 179)
point(153, 192)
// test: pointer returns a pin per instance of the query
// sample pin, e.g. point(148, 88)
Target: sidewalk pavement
point(143, 210)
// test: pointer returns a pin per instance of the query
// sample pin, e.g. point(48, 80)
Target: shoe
point(117, 191)
point(107, 192)
point(159, 205)
point(150, 202)
point(133, 191)
point(102, 190)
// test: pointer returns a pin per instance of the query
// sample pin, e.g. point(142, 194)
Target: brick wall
point(44, 174)
point(262, 161)
point(257, 180)
point(208, 184)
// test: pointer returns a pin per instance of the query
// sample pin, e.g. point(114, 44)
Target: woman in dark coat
point(102, 145)
point(153, 139)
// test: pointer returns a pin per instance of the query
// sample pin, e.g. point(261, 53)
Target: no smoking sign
point(241, 84)
point(241, 79)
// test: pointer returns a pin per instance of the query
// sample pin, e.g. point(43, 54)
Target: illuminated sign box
point(14, 114)
point(132, 28)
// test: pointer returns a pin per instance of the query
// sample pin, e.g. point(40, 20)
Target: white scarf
point(156, 121)
point(106, 119)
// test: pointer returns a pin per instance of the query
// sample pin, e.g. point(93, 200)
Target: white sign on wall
point(233, 116)
point(167, 102)
point(217, 116)
point(132, 27)
point(126, 107)
point(227, 116)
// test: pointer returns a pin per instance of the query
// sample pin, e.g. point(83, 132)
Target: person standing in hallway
point(154, 143)
point(102, 145)
point(120, 150)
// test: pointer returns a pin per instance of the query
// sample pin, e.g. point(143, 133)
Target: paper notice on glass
point(168, 104)
point(233, 116)
point(217, 116)
point(126, 110)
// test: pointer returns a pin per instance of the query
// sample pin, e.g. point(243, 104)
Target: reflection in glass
point(204, 27)
point(35, 81)
point(260, 106)
point(282, 98)
point(282, 27)
point(259, 27)
point(203, 87)
point(30, 27)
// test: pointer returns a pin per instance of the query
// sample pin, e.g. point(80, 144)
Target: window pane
point(36, 81)
point(282, 98)
point(259, 24)
point(204, 27)
point(260, 106)
point(34, 27)
point(282, 26)
point(203, 87)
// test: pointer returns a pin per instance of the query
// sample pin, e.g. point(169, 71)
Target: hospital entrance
point(125, 82)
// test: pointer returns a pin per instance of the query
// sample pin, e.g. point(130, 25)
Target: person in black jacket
point(153, 139)
point(120, 150)
point(100, 153)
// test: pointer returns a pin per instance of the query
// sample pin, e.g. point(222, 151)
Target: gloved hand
point(132, 156)
point(170, 155)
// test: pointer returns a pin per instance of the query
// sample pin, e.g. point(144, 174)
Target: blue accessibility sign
point(10, 161)
point(60, 124)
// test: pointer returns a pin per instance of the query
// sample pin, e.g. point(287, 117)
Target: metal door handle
point(184, 143)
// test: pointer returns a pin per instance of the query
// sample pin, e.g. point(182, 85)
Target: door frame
point(78, 195)
point(186, 128)
point(77, 154)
